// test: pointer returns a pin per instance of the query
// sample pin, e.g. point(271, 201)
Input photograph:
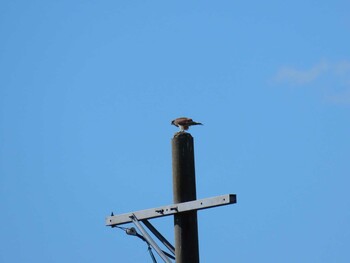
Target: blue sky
point(87, 93)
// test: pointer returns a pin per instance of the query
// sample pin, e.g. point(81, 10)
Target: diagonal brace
point(149, 239)
point(159, 236)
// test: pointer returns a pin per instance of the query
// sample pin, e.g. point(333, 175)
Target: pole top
point(183, 135)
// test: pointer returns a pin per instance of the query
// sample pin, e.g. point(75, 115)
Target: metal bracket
point(159, 236)
point(141, 216)
point(171, 209)
point(148, 239)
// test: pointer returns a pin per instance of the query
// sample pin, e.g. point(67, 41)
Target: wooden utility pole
point(184, 209)
point(184, 190)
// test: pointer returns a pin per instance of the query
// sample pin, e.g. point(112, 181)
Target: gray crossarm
point(168, 210)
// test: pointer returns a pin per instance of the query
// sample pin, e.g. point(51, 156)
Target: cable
point(151, 253)
point(132, 232)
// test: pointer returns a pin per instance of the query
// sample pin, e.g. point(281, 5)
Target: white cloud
point(342, 67)
point(335, 79)
point(295, 76)
point(342, 98)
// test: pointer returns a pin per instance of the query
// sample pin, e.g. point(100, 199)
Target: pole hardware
point(184, 209)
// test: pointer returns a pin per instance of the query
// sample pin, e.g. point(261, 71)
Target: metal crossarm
point(172, 209)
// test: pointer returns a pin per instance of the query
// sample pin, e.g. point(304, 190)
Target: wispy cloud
point(341, 98)
point(335, 79)
point(296, 76)
point(342, 67)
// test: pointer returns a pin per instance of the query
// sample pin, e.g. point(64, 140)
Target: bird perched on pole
point(184, 123)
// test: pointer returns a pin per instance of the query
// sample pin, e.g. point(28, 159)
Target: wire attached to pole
point(151, 253)
point(132, 232)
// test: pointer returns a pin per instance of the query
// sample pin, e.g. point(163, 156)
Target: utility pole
point(184, 189)
point(184, 209)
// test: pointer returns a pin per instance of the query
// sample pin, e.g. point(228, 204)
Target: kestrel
point(184, 123)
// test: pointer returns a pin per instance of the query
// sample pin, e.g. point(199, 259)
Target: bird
point(184, 123)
